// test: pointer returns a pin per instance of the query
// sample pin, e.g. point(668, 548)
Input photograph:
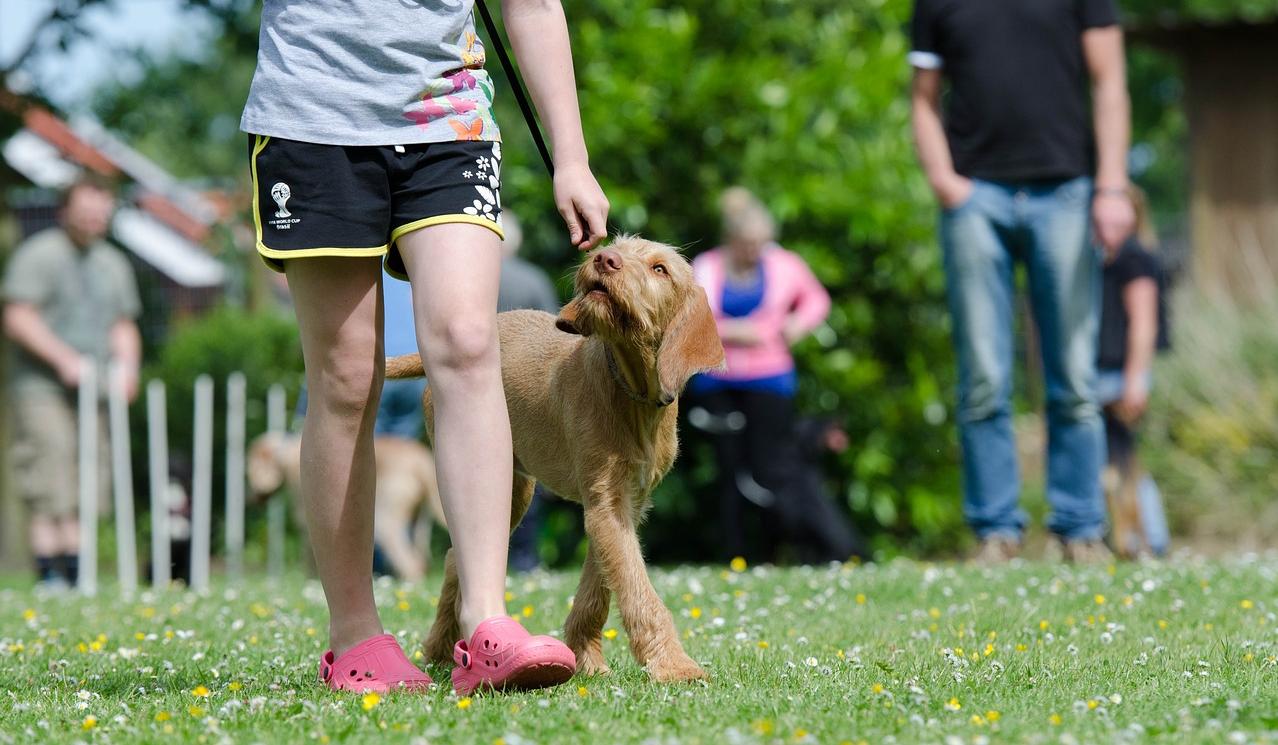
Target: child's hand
point(582, 204)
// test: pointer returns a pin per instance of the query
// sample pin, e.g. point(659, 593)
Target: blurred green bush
point(1211, 437)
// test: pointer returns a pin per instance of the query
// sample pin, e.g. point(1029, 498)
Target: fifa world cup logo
point(280, 193)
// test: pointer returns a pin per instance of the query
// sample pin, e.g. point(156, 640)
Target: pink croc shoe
point(503, 655)
point(376, 664)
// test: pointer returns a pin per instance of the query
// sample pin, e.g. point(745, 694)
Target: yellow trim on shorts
point(301, 253)
point(426, 222)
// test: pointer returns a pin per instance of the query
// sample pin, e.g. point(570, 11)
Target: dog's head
point(638, 293)
point(264, 468)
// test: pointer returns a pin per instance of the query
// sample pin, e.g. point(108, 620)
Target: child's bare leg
point(339, 315)
point(455, 270)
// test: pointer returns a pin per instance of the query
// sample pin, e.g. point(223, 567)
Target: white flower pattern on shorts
point(489, 203)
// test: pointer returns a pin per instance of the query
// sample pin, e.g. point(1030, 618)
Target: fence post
point(277, 510)
point(235, 394)
point(88, 457)
point(126, 561)
point(158, 453)
point(202, 484)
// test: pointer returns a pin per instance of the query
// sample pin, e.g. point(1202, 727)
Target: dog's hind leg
point(446, 630)
point(584, 627)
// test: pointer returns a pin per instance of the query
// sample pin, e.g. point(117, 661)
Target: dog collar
point(621, 383)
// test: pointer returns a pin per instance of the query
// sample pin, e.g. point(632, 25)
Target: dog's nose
point(608, 261)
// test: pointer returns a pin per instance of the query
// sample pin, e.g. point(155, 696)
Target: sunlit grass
point(919, 653)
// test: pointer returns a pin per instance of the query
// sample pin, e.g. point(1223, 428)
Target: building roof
point(168, 221)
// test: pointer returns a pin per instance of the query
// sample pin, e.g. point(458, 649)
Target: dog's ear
point(690, 345)
point(570, 319)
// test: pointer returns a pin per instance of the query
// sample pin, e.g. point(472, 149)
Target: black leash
point(517, 86)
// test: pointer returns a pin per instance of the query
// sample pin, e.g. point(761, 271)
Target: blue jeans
point(399, 412)
point(1046, 226)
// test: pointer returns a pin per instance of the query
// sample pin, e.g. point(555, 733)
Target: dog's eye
point(659, 268)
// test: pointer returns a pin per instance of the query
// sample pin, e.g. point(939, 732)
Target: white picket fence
point(158, 471)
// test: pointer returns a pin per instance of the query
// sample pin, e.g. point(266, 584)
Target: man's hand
point(952, 190)
point(1131, 407)
point(582, 204)
point(70, 371)
point(129, 380)
point(1113, 219)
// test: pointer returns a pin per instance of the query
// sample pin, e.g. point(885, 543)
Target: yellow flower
point(1128, 600)
point(762, 726)
point(499, 741)
point(695, 613)
point(583, 691)
point(934, 612)
point(992, 715)
point(800, 733)
point(163, 716)
point(528, 611)
point(1247, 605)
point(139, 636)
point(1054, 720)
point(463, 703)
point(860, 598)
point(1021, 647)
point(370, 700)
point(876, 689)
point(610, 633)
point(1162, 624)
point(29, 614)
point(953, 704)
point(234, 685)
point(989, 649)
point(310, 631)
point(763, 645)
point(1043, 624)
point(977, 720)
point(509, 596)
point(403, 605)
point(1100, 599)
point(738, 564)
point(1092, 703)
point(89, 723)
point(195, 711)
point(200, 691)
point(1248, 657)
point(1208, 626)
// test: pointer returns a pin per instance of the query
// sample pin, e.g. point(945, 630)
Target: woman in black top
point(1133, 329)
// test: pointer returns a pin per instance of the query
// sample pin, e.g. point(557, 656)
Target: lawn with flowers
point(904, 652)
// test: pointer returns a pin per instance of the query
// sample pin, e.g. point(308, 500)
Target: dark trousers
point(765, 480)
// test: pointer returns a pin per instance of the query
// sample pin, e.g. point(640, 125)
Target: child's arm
point(539, 34)
point(1140, 301)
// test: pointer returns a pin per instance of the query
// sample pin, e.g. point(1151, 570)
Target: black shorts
point(342, 200)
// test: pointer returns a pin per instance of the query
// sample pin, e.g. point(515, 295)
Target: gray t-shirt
point(370, 72)
point(524, 286)
point(79, 293)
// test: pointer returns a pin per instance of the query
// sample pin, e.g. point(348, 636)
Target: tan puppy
point(407, 495)
point(592, 407)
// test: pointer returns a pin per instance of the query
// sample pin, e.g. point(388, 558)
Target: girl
point(1133, 328)
point(372, 137)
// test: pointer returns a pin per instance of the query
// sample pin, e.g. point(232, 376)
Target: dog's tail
point(405, 366)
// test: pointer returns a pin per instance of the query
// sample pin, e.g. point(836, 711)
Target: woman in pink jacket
point(765, 299)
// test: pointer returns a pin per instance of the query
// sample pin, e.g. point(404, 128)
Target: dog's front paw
point(590, 661)
point(675, 667)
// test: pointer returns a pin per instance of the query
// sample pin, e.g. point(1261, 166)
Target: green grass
point(915, 652)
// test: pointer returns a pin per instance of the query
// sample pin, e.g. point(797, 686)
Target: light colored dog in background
point(407, 499)
point(591, 396)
